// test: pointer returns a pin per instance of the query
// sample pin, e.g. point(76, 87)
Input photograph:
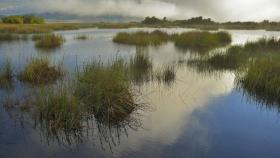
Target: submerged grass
point(50, 41)
point(40, 71)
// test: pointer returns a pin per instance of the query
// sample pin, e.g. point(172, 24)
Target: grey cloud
point(221, 10)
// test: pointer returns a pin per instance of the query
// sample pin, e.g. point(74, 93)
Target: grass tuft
point(81, 37)
point(40, 71)
point(58, 109)
point(48, 41)
point(106, 91)
point(262, 81)
point(142, 38)
point(202, 41)
point(6, 75)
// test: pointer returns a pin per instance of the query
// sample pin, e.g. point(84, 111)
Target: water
point(197, 115)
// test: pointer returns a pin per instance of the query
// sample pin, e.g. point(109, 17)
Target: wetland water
point(197, 114)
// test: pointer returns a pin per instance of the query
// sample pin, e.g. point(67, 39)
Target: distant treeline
point(22, 19)
point(201, 22)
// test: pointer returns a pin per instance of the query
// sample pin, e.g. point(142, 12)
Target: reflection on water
point(170, 125)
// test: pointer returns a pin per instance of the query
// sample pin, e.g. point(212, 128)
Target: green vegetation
point(42, 28)
point(195, 41)
point(166, 75)
point(6, 75)
point(81, 37)
point(58, 109)
point(202, 41)
point(25, 19)
point(117, 25)
point(238, 57)
point(262, 81)
point(9, 37)
point(141, 38)
point(105, 90)
point(255, 64)
point(209, 24)
point(40, 71)
point(140, 67)
point(49, 41)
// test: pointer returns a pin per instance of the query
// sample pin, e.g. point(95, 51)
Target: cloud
point(135, 8)
point(221, 10)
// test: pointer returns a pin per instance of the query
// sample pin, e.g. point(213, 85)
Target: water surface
point(196, 115)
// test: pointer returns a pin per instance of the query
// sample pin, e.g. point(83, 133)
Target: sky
point(219, 10)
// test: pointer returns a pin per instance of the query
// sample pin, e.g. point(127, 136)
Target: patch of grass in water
point(58, 109)
point(140, 67)
point(106, 91)
point(238, 57)
point(12, 37)
point(202, 41)
point(50, 41)
point(142, 38)
point(81, 37)
point(262, 81)
point(40, 71)
point(6, 75)
point(166, 75)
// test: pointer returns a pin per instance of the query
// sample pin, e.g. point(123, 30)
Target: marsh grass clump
point(49, 41)
point(9, 37)
point(262, 81)
point(106, 91)
point(238, 57)
point(140, 67)
point(142, 38)
point(233, 59)
point(57, 109)
point(6, 75)
point(263, 45)
point(40, 71)
point(166, 75)
point(81, 37)
point(202, 41)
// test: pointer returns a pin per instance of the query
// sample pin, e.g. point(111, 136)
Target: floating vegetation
point(142, 38)
point(106, 91)
point(40, 71)
point(6, 75)
point(202, 41)
point(50, 41)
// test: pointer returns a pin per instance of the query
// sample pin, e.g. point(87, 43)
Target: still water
point(197, 115)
